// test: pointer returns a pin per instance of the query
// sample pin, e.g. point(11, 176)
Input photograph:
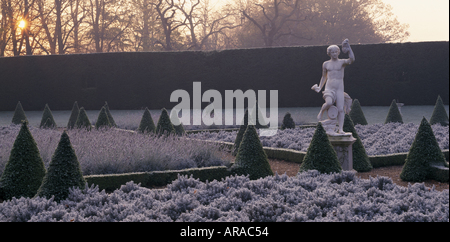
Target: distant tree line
point(48, 27)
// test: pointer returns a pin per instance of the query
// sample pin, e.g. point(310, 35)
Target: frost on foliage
point(320, 155)
point(251, 158)
point(424, 153)
point(116, 151)
point(47, 120)
point(439, 114)
point(73, 115)
point(19, 115)
point(64, 172)
point(164, 125)
point(394, 114)
point(378, 139)
point(82, 120)
point(24, 170)
point(146, 125)
point(309, 196)
point(102, 120)
point(361, 162)
point(356, 113)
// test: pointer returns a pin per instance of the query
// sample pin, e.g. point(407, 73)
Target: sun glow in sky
point(22, 24)
point(428, 19)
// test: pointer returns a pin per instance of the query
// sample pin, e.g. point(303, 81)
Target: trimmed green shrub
point(288, 122)
point(361, 162)
point(110, 117)
point(259, 116)
point(320, 154)
point(19, 115)
point(83, 120)
point(356, 113)
point(24, 170)
point(439, 114)
point(146, 125)
point(394, 114)
point(424, 153)
point(47, 121)
point(48, 124)
point(63, 172)
point(73, 116)
point(102, 120)
point(164, 126)
point(179, 129)
point(240, 133)
point(251, 158)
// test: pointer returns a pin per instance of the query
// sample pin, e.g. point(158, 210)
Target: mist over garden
point(87, 132)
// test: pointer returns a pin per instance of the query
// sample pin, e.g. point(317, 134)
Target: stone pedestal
point(342, 144)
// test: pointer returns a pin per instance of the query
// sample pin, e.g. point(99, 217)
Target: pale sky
point(428, 19)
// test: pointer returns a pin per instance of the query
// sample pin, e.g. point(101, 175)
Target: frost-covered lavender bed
point(115, 151)
point(309, 196)
point(378, 139)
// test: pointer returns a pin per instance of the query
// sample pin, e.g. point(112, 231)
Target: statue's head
point(333, 47)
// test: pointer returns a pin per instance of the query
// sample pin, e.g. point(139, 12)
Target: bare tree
point(77, 12)
point(363, 21)
point(108, 23)
point(4, 26)
point(202, 22)
point(272, 16)
point(166, 15)
point(146, 29)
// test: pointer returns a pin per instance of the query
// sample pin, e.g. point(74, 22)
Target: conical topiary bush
point(356, 113)
point(164, 125)
point(102, 120)
point(73, 116)
point(19, 115)
point(394, 115)
point(47, 121)
point(83, 120)
point(251, 158)
point(320, 155)
point(423, 153)
point(24, 170)
point(439, 114)
point(361, 161)
point(240, 133)
point(260, 121)
point(146, 125)
point(179, 129)
point(288, 122)
point(110, 117)
point(63, 172)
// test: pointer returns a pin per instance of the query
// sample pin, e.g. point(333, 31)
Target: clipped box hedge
point(150, 77)
point(111, 182)
point(161, 178)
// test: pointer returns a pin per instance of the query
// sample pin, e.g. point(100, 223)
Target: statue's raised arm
point(347, 49)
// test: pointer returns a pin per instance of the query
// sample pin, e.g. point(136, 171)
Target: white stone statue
point(333, 80)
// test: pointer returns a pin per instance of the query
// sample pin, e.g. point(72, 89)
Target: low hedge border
point(111, 182)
